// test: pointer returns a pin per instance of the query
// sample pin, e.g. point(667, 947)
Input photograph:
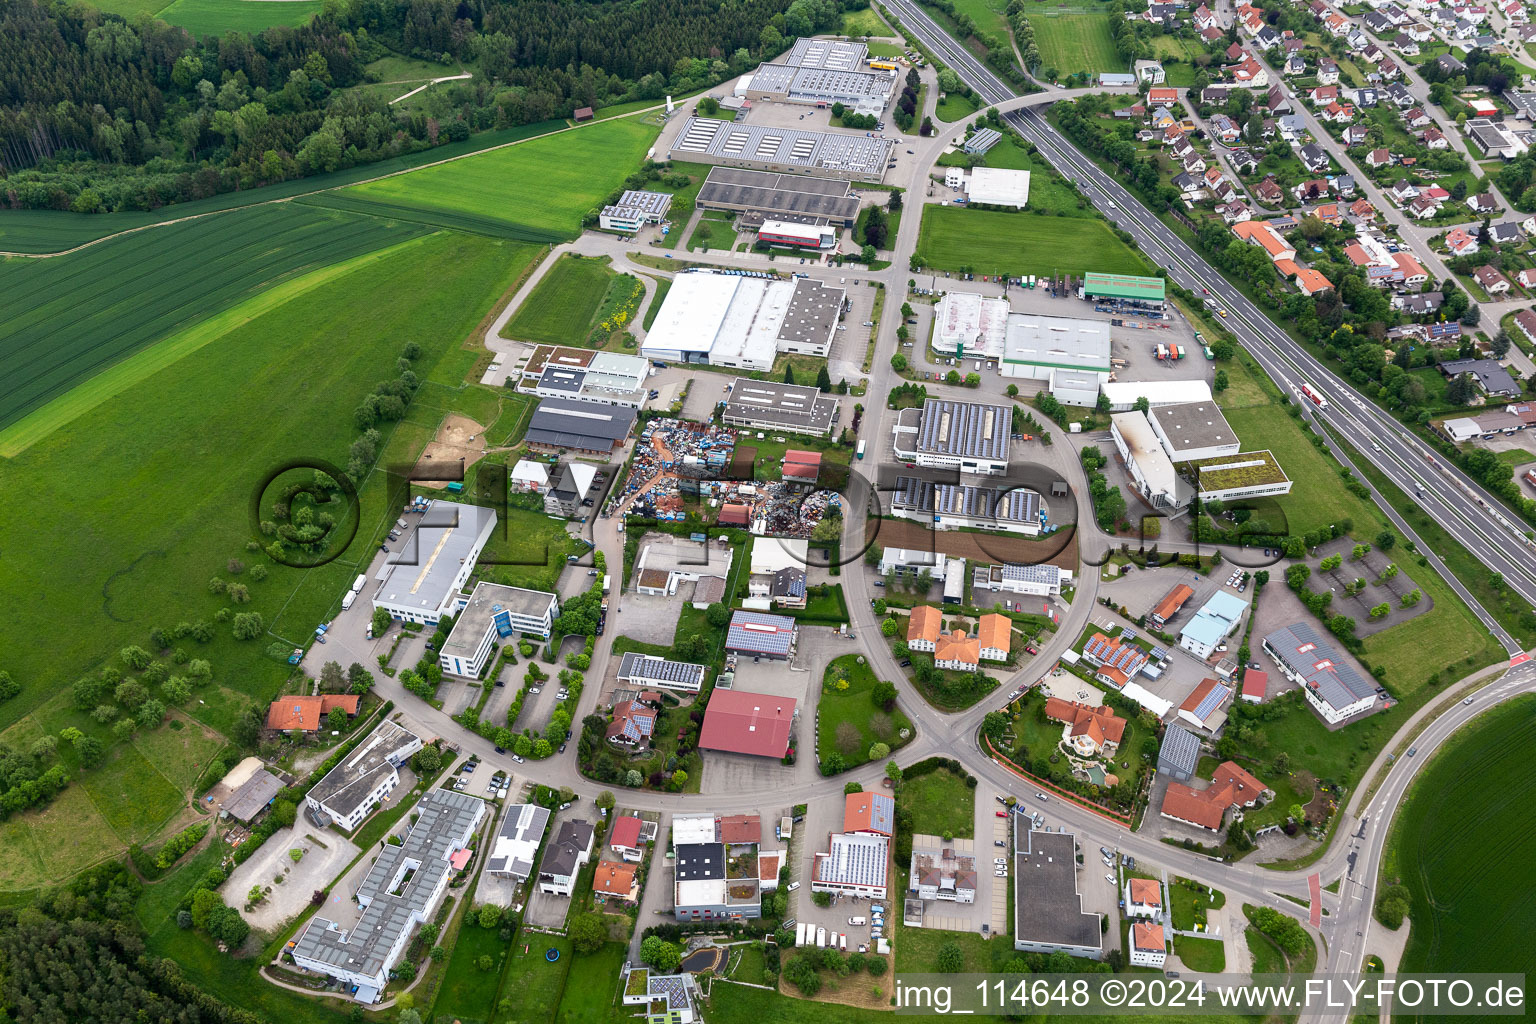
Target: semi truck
point(859, 454)
point(357, 584)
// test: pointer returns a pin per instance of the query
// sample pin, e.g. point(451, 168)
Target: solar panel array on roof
point(861, 154)
point(1304, 650)
point(963, 429)
point(758, 633)
point(1213, 700)
point(1033, 573)
point(1158, 654)
point(1016, 505)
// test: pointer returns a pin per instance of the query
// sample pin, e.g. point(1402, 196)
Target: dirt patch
point(459, 440)
point(988, 548)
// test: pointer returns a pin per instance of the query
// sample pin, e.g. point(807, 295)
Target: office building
point(1048, 910)
point(493, 614)
point(351, 790)
point(634, 210)
point(767, 405)
point(421, 581)
point(1333, 687)
point(1212, 624)
point(1150, 469)
point(1193, 432)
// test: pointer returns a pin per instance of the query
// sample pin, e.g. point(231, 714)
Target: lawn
point(918, 950)
point(939, 802)
point(863, 22)
point(1186, 901)
point(1267, 957)
point(69, 318)
point(537, 190)
point(991, 242)
point(714, 231)
point(848, 720)
point(954, 107)
point(181, 753)
point(1207, 956)
point(531, 987)
point(1462, 843)
point(592, 988)
point(562, 306)
point(529, 552)
point(467, 991)
point(217, 17)
point(1077, 41)
point(658, 296)
point(987, 14)
point(1047, 189)
point(236, 981)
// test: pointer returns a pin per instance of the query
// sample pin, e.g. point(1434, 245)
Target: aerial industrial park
point(684, 514)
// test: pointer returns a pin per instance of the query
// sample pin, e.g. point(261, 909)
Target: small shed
point(582, 114)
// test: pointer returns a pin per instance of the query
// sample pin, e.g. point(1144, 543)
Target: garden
point(858, 720)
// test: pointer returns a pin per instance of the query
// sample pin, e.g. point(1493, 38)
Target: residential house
point(1355, 135)
point(1417, 118)
point(633, 723)
point(628, 835)
point(1483, 203)
point(1143, 897)
point(1231, 786)
point(1149, 948)
point(1379, 158)
point(1260, 233)
point(564, 856)
point(1322, 95)
point(1434, 138)
point(1090, 731)
point(995, 634)
point(616, 881)
point(957, 652)
point(924, 625)
point(1116, 661)
point(1492, 282)
point(1506, 233)
point(1313, 158)
point(1460, 243)
point(307, 714)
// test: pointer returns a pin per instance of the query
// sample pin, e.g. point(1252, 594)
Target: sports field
point(1075, 41)
point(216, 17)
point(989, 242)
point(539, 190)
point(68, 318)
point(561, 307)
point(1463, 845)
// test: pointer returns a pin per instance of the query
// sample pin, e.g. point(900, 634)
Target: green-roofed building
point(1147, 292)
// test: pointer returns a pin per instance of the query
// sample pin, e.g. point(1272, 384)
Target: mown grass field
point(560, 309)
point(863, 22)
point(539, 190)
point(155, 484)
point(216, 17)
point(69, 318)
point(467, 992)
point(849, 722)
point(1075, 41)
point(592, 987)
point(987, 14)
point(990, 242)
point(939, 802)
point(1463, 845)
point(954, 107)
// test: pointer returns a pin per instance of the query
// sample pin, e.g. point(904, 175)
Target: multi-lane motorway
point(1460, 506)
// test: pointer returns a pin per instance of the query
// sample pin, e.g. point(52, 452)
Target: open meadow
point(562, 307)
point(992, 242)
point(1463, 844)
point(216, 17)
point(538, 190)
point(67, 319)
point(1072, 40)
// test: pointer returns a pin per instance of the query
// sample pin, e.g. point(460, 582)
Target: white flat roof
point(1157, 392)
point(998, 186)
point(1062, 342)
point(692, 313)
point(977, 322)
point(1147, 452)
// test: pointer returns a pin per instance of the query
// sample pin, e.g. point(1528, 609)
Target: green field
point(863, 22)
point(561, 307)
point(990, 242)
point(69, 318)
point(216, 17)
point(531, 987)
point(987, 14)
point(539, 190)
point(1204, 955)
point(1078, 41)
point(592, 988)
point(939, 802)
point(1463, 844)
point(849, 722)
point(954, 107)
point(467, 992)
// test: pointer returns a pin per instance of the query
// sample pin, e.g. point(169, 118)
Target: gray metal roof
point(774, 192)
point(564, 423)
point(1180, 750)
point(837, 54)
point(487, 600)
point(399, 889)
point(1034, 573)
point(1303, 650)
point(1194, 425)
point(790, 407)
point(963, 429)
point(425, 569)
point(983, 140)
point(645, 668)
point(348, 785)
point(793, 147)
point(257, 791)
point(522, 829)
point(1047, 906)
point(700, 861)
point(1018, 504)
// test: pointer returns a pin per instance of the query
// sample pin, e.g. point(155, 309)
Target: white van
point(857, 922)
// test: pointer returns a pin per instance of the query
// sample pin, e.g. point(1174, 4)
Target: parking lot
point(324, 855)
point(824, 816)
point(846, 357)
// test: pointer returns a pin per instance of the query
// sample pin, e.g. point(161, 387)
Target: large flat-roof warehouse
point(844, 155)
point(563, 424)
point(960, 435)
point(769, 405)
point(1048, 910)
point(421, 581)
point(743, 322)
point(779, 196)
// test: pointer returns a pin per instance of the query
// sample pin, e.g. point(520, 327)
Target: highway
point(1458, 504)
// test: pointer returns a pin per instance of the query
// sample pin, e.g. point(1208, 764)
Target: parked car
point(517, 759)
point(1002, 814)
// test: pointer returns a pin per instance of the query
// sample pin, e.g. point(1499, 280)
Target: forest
point(99, 114)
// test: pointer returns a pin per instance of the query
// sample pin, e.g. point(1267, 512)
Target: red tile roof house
point(1231, 786)
point(625, 838)
point(1093, 730)
point(1143, 897)
point(738, 722)
point(304, 714)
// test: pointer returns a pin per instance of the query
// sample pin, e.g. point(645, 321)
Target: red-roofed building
point(732, 514)
point(1255, 686)
point(1310, 281)
point(1169, 606)
point(1091, 730)
point(740, 828)
point(1143, 897)
point(625, 837)
point(303, 714)
point(1148, 947)
point(923, 627)
point(1231, 786)
point(738, 722)
point(633, 723)
point(869, 813)
point(1258, 232)
point(614, 880)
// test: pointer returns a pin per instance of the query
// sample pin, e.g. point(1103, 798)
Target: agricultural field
point(216, 17)
point(71, 317)
point(537, 191)
point(561, 308)
point(1462, 844)
point(1075, 40)
point(991, 242)
point(848, 720)
point(155, 483)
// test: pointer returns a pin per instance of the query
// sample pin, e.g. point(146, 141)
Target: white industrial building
point(969, 324)
point(912, 562)
point(1034, 580)
point(1123, 394)
point(1240, 476)
point(400, 891)
point(1070, 355)
point(954, 506)
point(609, 377)
point(493, 613)
point(821, 72)
point(1150, 469)
point(635, 209)
point(998, 186)
point(421, 582)
point(363, 778)
point(1192, 432)
point(1327, 679)
point(945, 434)
point(743, 322)
point(854, 865)
point(646, 671)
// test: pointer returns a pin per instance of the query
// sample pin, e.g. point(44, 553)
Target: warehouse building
point(855, 156)
point(1123, 394)
point(634, 210)
point(804, 236)
point(1329, 682)
point(421, 582)
point(1125, 290)
point(1048, 910)
point(998, 186)
point(400, 891)
point(738, 722)
point(1241, 476)
point(743, 322)
point(1150, 469)
point(945, 434)
point(766, 405)
point(646, 671)
point(828, 54)
point(1189, 433)
point(608, 377)
point(762, 636)
point(968, 324)
point(494, 613)
point(952, 506)
point(982, 140)
point(865, 91)
point(777, 196)
point(585, 428)
point(1034, 580)
point(855, 864)
point(1070, 355)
